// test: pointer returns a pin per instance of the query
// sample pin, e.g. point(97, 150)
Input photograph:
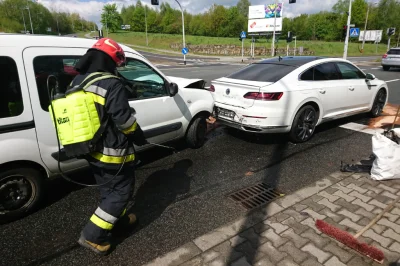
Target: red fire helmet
point(111, 48)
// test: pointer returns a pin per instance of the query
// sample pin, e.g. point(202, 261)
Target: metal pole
point(30, 18)
point(242, 49)
point(365, 30)
point(398, 40)
point(389, 44)
point(346, 45)
point(23, 17)
point(295, 45)
point(183, 31)
point(58, 28)
point(273, 37)
point(145, 16)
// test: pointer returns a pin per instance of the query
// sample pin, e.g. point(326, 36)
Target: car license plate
point(225, 113)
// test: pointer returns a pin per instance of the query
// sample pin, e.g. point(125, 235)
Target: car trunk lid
point(231, 91)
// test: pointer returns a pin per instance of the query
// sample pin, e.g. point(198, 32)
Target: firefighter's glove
point(138, 137)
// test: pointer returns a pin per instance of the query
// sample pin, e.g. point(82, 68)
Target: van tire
point(196, 134)
point(27, 181)
point(386, 68)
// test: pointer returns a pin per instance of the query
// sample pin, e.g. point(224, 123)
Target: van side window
point(61, 66)
point(11, 97)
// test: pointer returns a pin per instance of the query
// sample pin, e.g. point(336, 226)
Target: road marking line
point(363, 69)
point(362, 128)
point(376, 68)
point(392, 80)
point(179, 68)
point(163, 65)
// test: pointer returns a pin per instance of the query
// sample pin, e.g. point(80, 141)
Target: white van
point(28, 143)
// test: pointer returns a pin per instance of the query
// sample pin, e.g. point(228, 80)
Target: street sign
point(352, 25)
point(243, 35)
point(185, 50)
point(354, 32)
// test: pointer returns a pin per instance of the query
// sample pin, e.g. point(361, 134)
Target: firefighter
point(115, 147)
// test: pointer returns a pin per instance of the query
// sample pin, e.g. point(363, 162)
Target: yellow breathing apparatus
point(77, 120)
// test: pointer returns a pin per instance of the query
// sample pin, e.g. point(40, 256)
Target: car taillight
point(212, 88)
point(264, 96)
point(384, 56)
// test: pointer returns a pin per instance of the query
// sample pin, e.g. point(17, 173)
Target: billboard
point(262, 17)
point(371, 36)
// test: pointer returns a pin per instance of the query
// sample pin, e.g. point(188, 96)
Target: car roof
point(295, 61)
point(35, 40)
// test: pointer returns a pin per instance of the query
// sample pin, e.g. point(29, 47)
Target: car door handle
point(351, 88)
point(322, 91)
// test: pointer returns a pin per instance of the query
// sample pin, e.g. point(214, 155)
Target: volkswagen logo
point(228, 91)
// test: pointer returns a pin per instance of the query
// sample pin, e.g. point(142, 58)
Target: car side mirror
point(370, 77)
point(173, 89)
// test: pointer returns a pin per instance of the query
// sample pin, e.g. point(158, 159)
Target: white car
point(295, 94)
point(391, 59)
point(167, 108)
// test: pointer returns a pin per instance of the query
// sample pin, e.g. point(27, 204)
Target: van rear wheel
point(21, 190)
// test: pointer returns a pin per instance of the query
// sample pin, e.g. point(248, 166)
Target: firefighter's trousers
point(114, 200)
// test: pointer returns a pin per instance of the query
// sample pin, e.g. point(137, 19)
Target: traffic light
point(344, 34)
point(154, 2)
point(289, 37)
point(391, 31)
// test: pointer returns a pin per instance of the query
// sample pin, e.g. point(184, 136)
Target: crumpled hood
point(188, 83)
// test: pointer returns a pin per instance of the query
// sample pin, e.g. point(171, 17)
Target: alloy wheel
point(306, 124)
point(379, 102)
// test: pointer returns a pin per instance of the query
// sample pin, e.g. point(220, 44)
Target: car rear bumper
point(391, 62)
point(253, 120)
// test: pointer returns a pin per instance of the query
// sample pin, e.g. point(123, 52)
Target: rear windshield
point(263, 72)
point(394, 51)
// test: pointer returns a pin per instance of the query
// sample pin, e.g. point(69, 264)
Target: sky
point(90, 9)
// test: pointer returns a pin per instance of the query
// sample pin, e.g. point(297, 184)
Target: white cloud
point(89, 9)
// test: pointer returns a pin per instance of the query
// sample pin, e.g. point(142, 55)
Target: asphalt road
point(182, 196)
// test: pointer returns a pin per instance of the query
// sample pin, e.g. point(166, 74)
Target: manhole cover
point(255, 196)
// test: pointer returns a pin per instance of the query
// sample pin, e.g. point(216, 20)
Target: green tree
point(138, 19)
point(110, 18)
point(243, 6)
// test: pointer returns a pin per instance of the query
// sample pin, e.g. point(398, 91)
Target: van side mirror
point(173, 89)
point(370, 77)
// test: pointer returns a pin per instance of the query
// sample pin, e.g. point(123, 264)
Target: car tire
point(379, 103)
point(304, 124)
point(386, 68)
point(25, 183)
point(196, 134)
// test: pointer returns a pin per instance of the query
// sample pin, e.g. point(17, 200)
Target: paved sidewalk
point(283, 233)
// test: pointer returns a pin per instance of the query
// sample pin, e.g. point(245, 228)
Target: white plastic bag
point(387, 163)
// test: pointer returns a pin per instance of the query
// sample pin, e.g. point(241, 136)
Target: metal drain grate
point(255, 196)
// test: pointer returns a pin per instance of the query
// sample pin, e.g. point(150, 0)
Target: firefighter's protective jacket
point(122, 129)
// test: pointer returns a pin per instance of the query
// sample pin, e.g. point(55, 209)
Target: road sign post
point(346, 43)
point(243, 36)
